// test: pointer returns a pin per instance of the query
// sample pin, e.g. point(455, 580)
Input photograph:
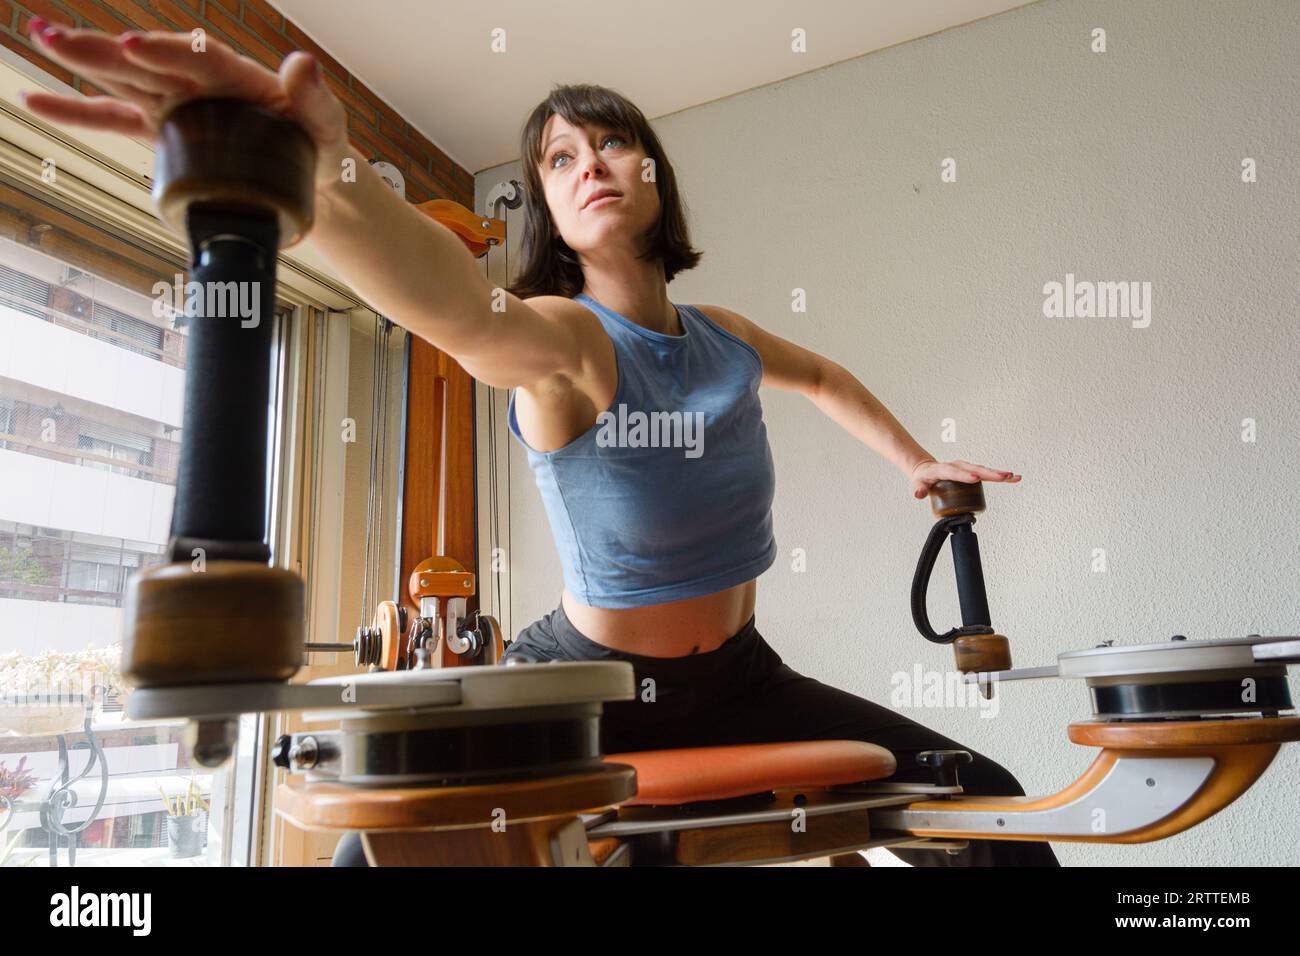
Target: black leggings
point(742, 692)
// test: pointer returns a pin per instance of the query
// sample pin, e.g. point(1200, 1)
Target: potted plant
point(54, 692)
point(187, 822)
point(14, 783)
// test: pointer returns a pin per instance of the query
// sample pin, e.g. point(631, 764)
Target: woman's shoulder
point(554, 305)
point(731, 323)
point(724, 318)
point(734, 326)
point(561, 309)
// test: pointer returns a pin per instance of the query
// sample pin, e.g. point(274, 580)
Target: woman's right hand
point(149, 74)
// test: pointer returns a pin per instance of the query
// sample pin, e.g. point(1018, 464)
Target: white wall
point(32, 627)
point(1117, 166)
point(89, 369)
point(57, 494)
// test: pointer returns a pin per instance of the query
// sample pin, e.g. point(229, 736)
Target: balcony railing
point(78, 457)
point(95, 330)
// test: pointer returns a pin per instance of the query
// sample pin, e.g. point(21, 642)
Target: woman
point(640, 417)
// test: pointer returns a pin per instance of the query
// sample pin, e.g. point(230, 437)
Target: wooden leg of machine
point(557, 841)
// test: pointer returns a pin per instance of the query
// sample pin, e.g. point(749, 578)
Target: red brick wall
point(257, 29)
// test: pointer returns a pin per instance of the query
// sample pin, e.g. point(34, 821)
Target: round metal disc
point(1165, 700)
point(564, 742)
point(496, 687)
point(1230, 654)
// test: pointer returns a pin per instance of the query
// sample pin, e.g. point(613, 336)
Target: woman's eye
point(556, 156)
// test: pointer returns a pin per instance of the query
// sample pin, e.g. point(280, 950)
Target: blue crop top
point(669, 494)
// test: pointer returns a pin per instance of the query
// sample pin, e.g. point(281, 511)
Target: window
point(91, 387)
point(23, 293)
point(125, 331)
point(49, 564)
point(92, 378)
point(108, 444)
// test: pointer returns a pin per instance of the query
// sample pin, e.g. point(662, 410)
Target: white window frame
point(108, 179)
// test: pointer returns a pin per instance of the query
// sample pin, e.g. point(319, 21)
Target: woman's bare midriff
point(693, 626)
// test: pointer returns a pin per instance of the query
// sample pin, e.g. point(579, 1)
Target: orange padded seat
point(692, 774)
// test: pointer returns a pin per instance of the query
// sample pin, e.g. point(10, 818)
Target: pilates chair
point(444, 757)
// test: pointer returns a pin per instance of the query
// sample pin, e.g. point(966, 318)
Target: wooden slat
point(461, 527)
point(521, 844)
point(756, 842)
point(327, 805)
point(435, 377)
point(420, 489)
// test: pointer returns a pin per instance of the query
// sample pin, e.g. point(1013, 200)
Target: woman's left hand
point(927, 473)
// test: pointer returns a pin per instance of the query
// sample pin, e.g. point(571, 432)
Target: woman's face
point(578, 161)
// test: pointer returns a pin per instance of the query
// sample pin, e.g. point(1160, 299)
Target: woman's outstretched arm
point(402, 263)
point(839, 395)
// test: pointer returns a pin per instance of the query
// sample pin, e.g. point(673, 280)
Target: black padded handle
point(970, 579)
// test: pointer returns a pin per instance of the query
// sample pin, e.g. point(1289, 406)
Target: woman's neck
point(641, 300)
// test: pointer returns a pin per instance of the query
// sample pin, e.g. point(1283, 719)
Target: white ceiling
point(432, 59)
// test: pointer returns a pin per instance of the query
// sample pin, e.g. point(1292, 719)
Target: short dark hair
point(549, 266)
